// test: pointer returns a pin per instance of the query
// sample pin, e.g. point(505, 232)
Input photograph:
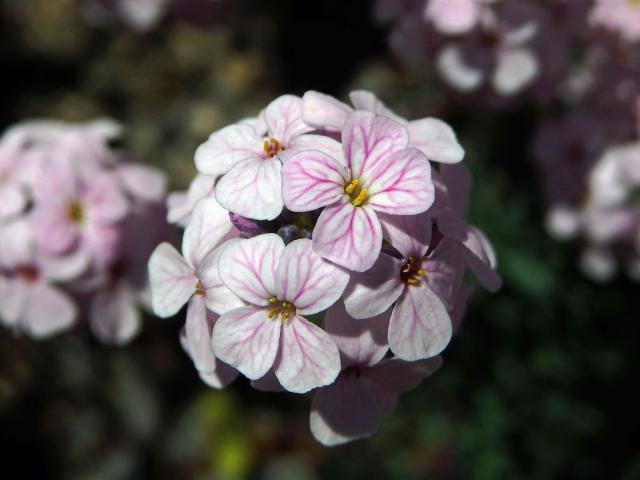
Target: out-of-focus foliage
point(539, 384)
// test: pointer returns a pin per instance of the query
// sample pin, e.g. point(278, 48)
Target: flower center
point(281, 308)
point(199, 289)
point(411, 273)
point(272, 147)
point(75, 212)
point(357, 193)
point(28, 274)
point(633, 3)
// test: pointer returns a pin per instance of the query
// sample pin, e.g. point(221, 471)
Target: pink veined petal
point(360, 342)
point(307, 280)
point(319, 143)
point(324, 111)
point(247, 339)
point(420, 326)
point(12, 201)
point(452, 16)
point(105, 203)
point(172, 281)
point(308, 358)
point(401, 185)
point(311, 180)
point(227, 147)
point(18, 247)
point(444, 270)
point(47, 311)
point(198, 335)
point(349, 236)
point(368, 139)
point(284, 119)
point(368, 101)
point(115, 316)
point(398, 376)
point(374, 291)
point(253, 189)
point(409, 234)
point(480, 256)
point(181, 204)
point(208, 227)
point(344, 411)
point(218, 297)
point(143, 182)
point(54, 233)
point(436, 139)
point(248, 267)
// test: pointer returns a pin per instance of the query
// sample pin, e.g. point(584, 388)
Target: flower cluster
point(72, 210)
point(324, 251)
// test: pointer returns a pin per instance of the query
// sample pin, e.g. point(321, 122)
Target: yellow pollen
point(356, 192)
point(75, 212)
point(421, 273)
point(199, 289)
point(272, 147)
point(359, 200)
point(281, 308)
point(412, 281)
point(633, 3)
point(351, 187)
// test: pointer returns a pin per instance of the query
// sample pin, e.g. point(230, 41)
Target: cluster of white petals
point(71, 210)
point(324, 250)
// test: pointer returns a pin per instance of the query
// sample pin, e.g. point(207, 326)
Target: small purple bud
point(288, 233)
point(246, 225)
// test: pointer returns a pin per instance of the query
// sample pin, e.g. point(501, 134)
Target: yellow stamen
point(349, 189)
point(199, 289)
point(75, 211)
point(359, 200)
point(421, 273)
point(273, 300)
point(412, 281)
point(284, 316)
point(272, 313)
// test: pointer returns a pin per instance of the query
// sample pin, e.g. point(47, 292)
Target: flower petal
point(248, 267)
point(198, 335)
point(47, 311)
point(311, 180)
point(209, 226)
point(12, 201)
point(284, 119)
point(227, 147)
point(324, 111)
point(374, 291)
point(344, 411)
point(308, 357)
point(14, 295)
point(319, 143)
point(401, 185)
point(444, 270)
point(409, 234)
point(114, 316)
point(516, 69)
point(368, 139)
point(171, 279)
point(143, 182)
point(453, 16)
point(218, 297)
point(253, 189)
point(368, 101)
point(247, 339)
point(307, 280)
point(349, 236)
point(436, 139)
point(420, 326)
point(398, 376)
point(104, 200)
point(360, 342)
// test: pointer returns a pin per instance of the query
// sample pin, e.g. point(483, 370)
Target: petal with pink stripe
point(171, 279)
point(227, 147)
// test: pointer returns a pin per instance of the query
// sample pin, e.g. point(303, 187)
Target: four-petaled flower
point(281, 285)
point(373, 173)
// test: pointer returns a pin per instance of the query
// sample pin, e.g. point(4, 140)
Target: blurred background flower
point(539, 383)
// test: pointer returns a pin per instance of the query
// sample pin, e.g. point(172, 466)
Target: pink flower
point(375, 173)
point(181, 204)
point(431, 136)
point(369, 384)
point(619, 16)
point(421, 287)
point(280, 285)
point(194, 279)
point(29, 302)
point(455, 16)
point(80, 214)
point(13, 194)
point(249, 162)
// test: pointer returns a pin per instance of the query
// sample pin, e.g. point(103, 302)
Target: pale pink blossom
point(249, 162)
point(618, 16)
point(455, 16)
point(373, 172)
point(280, 286)
point(368, 385)
point(193, 278)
